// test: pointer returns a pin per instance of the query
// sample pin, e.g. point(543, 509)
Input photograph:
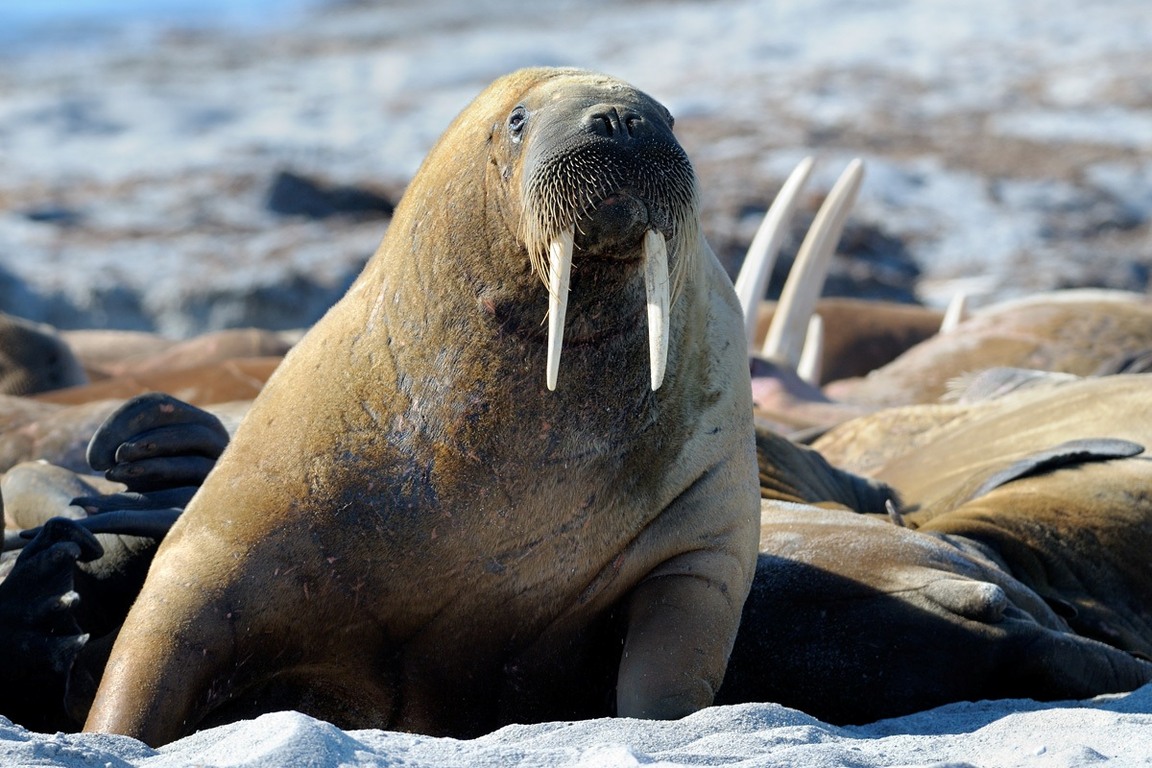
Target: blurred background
point(182, 166)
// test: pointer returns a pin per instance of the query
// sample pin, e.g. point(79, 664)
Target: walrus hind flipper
point(1064, 455)
point(150, 523)
point(114, 502)
point(40, 638)
point(155, 441)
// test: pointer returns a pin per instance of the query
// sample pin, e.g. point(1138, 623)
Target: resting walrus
point(410, 530)
point(1020, 567)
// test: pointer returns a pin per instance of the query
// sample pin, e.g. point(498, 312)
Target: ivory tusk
point(656, 286)
point(785, 338)
point(765, 247)
point(956, 313)
point(559, 271)
point(811, 364)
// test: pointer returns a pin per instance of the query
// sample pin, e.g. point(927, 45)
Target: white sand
point(1116, 730)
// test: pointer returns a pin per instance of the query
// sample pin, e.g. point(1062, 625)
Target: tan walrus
point(1019, 568)
point(411, 529)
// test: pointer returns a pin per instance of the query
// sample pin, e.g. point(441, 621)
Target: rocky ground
point(193, 178)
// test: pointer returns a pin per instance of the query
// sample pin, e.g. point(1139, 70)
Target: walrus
point(1017, 565)
point(33, 358)
point(426, 522)
point(224, 381)
point(31, 430)
point(1079, 332)
point(113, 354)
point(1082, 332)
point(852, 619)
point(1050, 477)
point(861, 335)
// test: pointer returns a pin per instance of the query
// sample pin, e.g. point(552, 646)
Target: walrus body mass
point(410, 529)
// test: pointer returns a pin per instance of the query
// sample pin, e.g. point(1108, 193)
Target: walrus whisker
point(805, 282)
point(765, 246)
point(559, 271)
point(656, 288)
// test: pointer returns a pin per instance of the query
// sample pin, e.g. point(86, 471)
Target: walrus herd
point(536, 466)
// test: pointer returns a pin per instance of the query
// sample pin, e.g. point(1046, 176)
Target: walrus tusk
point(956, 313)
point(806, 279)
point(656, 286)
point(811, 365)
point(765, 246)
point(559, 270)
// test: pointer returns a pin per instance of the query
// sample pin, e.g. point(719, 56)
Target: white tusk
point(805, 282)
point(559, 270)
point(761, 255)
point(811, 365)
point(656, 285)
point(956, 313)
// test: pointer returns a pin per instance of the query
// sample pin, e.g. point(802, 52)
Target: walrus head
point(599, 175)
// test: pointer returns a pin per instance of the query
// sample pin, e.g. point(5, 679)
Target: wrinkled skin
point(410, 531)
point(1019, 566)
point(1083, 333)
point(852, 619)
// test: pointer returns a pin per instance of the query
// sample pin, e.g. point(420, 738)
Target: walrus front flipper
point(39, 635)
point(1064, 455)
point(674, 657)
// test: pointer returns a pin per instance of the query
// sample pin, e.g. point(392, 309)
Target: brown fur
point(33, 358)
point(1077, 333)
point(996, 583)
point(861, 335)
point(149, 355)
point(207, 384)
point(409, 531)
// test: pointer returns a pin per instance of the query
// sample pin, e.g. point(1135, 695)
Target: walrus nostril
point(603, 120)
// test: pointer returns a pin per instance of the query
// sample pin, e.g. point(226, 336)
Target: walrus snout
point(614, 228)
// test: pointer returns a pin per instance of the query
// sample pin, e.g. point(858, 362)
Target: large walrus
point(412, 529)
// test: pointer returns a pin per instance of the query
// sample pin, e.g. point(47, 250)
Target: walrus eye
point(516, 122)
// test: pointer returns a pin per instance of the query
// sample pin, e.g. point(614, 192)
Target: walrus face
point(599, 175)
